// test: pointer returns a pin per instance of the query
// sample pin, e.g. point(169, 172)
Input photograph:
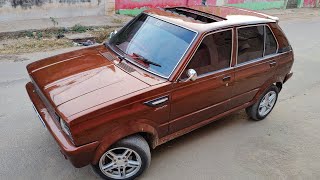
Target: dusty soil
point(27, 45)
point(46, 40)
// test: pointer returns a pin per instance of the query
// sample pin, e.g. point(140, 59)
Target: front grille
point(46, 102)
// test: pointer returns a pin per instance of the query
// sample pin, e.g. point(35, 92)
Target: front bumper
point(78, 155)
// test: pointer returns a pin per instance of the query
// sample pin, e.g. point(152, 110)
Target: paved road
point(284, 146)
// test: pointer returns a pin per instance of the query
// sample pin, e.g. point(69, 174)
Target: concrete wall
point(36, 9)
point(133, 7)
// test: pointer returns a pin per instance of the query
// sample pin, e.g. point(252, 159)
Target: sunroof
point(194, 14)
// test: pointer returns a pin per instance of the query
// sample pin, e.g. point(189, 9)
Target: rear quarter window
point(281, 38)
point(271, 43)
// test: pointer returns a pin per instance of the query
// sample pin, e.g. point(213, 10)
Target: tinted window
point(214, 53)
point(250, 43)
point(282, 40)
point(155, 40)
point(271, 44)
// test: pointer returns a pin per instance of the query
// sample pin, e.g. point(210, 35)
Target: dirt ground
point(284, 146)
point(51, 39)
point(44, 35)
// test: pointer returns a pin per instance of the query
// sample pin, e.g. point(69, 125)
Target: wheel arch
point(279, 85)
point(274, 81)
point(148, 132)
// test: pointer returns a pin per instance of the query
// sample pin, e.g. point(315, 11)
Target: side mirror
point(113, 33)
point(192, 75)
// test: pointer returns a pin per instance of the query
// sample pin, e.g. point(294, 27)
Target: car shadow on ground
point(188, 143)
point(211, 129)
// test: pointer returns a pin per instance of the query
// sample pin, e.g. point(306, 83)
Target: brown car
point(167, 72)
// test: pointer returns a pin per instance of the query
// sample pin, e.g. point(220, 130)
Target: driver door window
point(213, 54)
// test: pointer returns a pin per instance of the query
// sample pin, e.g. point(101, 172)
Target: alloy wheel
point(267, 103)
point(120, 163)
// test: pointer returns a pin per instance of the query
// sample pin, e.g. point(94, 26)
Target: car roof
point(221, 16)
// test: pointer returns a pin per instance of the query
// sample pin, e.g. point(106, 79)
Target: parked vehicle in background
point(167, 72)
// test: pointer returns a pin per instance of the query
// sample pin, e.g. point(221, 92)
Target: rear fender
point(265, 86)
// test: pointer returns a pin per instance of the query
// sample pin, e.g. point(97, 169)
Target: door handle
point(273, 64)
point(226, 78)
point(157, 102)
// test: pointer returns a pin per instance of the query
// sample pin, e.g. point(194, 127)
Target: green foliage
point(39, 35)
point(29, 34)
point(54, 21)
point(118, 21)
point(79, 28)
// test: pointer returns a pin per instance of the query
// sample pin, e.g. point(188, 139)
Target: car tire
point(131, 166)
point(262, 108)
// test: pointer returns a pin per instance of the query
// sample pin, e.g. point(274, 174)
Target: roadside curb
point(22, 33)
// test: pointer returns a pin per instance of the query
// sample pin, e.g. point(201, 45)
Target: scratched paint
point(27, 4)
point(259, 5)
point(2, 2)
point(132, 4)
point(309, 3)
point(134, 7)
point(235, 1)
point(211, 2)
point(11, 10)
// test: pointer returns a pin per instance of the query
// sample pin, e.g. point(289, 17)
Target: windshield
point(157, 41)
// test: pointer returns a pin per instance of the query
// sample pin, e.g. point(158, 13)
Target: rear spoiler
point(262, 15)
point(269, 17)
point(273, 18)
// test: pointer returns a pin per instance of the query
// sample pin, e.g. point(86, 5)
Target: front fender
point(134, 127)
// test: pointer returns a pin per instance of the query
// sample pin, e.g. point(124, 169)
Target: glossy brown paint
point(103, 100)
point(196, 101)
point(79, 156)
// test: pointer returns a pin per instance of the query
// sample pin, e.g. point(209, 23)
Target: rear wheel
point(125, 160)
point(264, 105)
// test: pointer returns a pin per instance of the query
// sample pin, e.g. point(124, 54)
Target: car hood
point(82, 79)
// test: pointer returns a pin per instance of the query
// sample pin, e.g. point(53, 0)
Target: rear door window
point(255, 42)
point(250, 43)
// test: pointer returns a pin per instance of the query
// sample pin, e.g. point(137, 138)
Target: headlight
point(65, 129)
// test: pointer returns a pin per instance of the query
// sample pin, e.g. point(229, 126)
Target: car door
point(193, 102)
point(256, 62)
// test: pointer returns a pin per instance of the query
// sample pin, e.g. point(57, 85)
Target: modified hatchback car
point(165, 73)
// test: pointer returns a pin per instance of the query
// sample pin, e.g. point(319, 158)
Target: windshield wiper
point(145, 60)
point(122, 57)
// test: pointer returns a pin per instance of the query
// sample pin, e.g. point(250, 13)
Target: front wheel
point(125, 160)
point(264, 105)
